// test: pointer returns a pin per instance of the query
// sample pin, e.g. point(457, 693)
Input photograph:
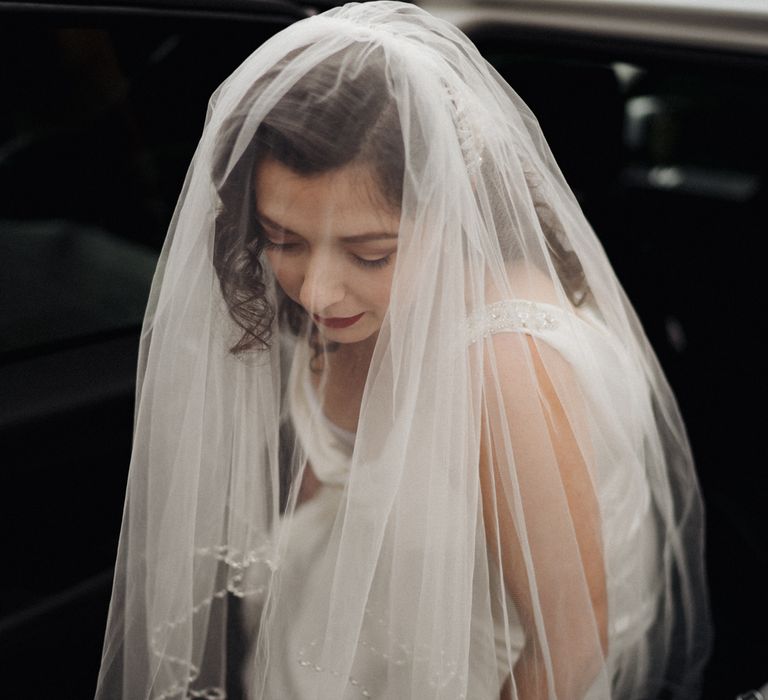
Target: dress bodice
point(328, 447)
point(618, 405)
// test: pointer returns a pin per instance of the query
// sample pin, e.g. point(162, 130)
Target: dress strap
point(513, 315)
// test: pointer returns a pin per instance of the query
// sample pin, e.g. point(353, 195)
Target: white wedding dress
point(620, 409)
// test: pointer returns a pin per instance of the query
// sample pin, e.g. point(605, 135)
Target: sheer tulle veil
point(513, 512)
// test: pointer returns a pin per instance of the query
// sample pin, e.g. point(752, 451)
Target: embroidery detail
point(238, 563)
point(404, 654)
point(509, 315)
point(312, 666)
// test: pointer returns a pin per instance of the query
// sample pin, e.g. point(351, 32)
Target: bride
point(397, 426)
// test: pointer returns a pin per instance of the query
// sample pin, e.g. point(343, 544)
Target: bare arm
point(560, 517)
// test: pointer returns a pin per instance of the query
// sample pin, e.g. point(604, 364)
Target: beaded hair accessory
point(468, 130)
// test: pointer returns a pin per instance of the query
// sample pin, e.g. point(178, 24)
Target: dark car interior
point(664, 145)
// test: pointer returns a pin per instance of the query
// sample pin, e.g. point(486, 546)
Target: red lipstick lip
point(337, 322)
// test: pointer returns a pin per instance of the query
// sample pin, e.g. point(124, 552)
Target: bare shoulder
point(518, 359)
point(525, 367)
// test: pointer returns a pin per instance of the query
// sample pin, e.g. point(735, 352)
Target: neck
point(353, 356)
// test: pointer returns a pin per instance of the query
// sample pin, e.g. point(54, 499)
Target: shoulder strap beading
point(509, 315)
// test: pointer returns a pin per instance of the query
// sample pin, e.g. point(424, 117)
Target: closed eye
point(378, 262)
point(272, 245)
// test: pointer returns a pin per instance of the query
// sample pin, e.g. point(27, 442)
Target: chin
point(350, 335)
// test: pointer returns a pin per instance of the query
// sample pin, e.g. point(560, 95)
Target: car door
point(102, 109)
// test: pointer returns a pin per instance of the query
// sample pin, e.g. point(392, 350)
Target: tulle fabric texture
point(517, 514)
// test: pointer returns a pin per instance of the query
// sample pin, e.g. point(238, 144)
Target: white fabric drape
point(516, 513)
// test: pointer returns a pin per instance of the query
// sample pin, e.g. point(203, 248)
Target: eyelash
point(378, 263)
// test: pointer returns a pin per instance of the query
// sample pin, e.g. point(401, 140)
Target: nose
point(322, 286)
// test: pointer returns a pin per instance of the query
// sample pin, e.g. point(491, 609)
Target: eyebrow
point(357, 238)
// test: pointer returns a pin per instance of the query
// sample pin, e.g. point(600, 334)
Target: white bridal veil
point(512, 513)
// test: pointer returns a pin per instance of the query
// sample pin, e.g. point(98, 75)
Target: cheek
point(380, 290)
point(287, 272)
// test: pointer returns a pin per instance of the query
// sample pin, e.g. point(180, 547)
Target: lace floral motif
point(509, 315)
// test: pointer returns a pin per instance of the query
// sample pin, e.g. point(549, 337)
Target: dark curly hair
point(302, 132)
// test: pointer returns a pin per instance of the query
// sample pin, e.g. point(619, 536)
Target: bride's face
point(331, 243)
